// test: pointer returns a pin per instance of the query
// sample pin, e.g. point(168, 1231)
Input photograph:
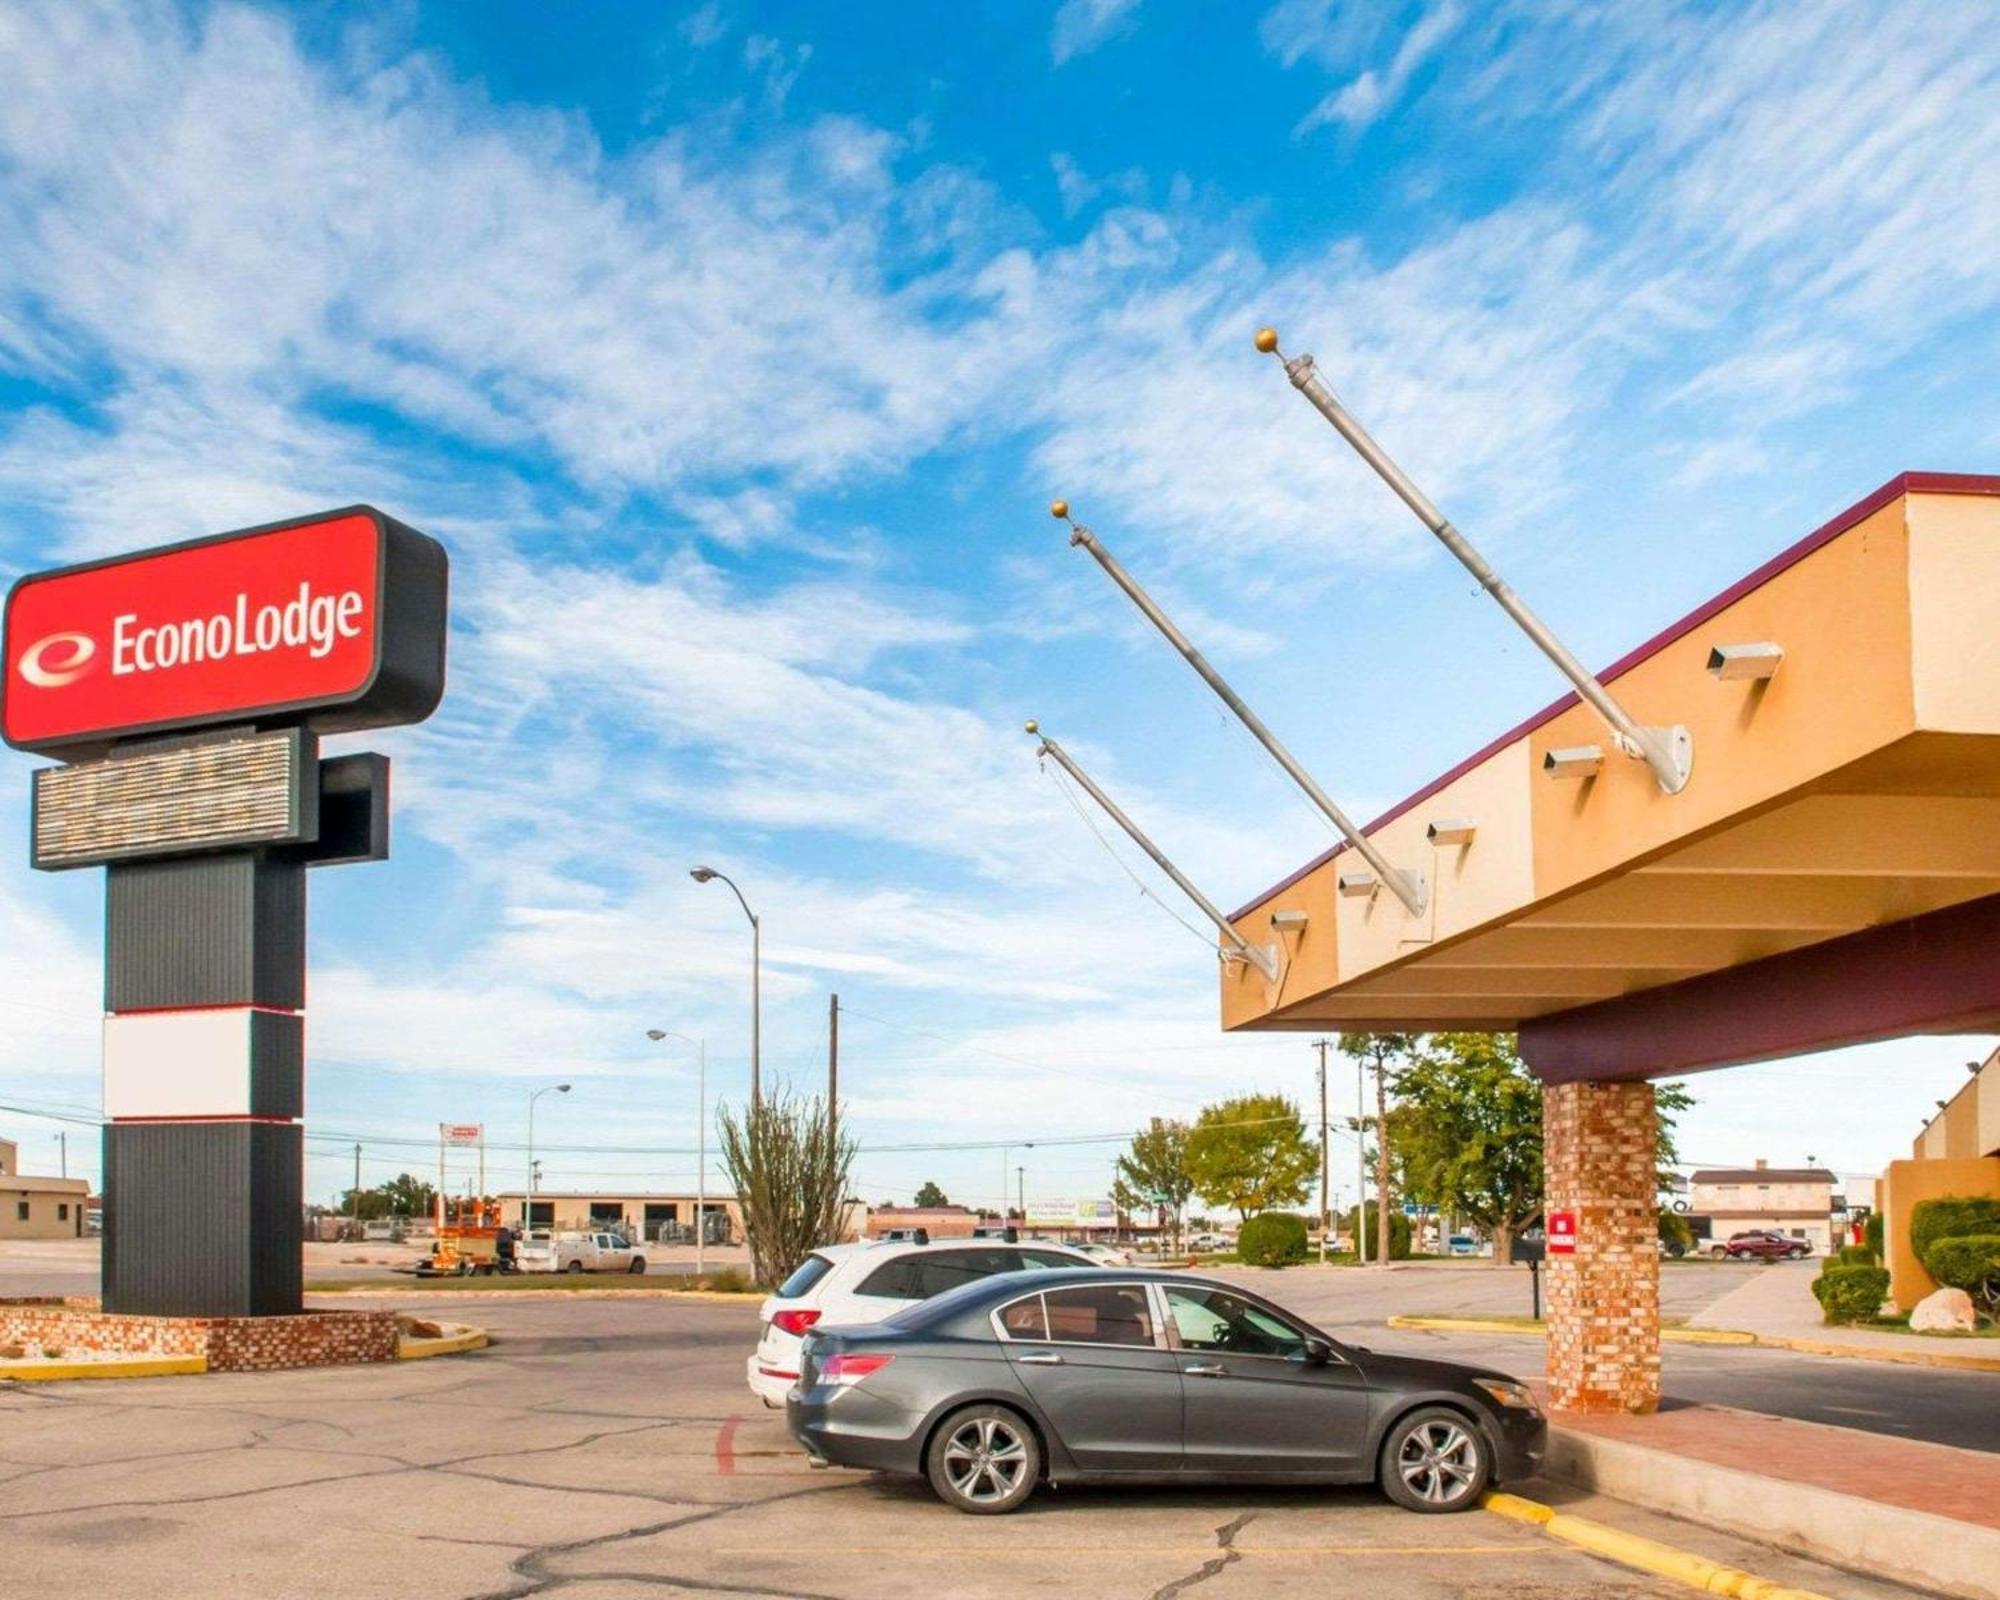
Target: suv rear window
point(808, 1273)
point(924, 1273)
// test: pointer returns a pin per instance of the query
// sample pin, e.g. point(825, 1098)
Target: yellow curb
point(1965, 1361)
point(1643, 1555)
point(1485, 1325)
point(137, 1367)
point(411, 1348)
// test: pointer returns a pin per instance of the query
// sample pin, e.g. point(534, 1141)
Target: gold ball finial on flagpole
point(1031, 726)
point(1059, 509)
point(1267, 340)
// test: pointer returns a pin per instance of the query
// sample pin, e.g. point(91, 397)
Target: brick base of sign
point(1603, 1300)
point(231, 1344)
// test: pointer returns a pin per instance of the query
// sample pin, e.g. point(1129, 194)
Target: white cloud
point(1366, 98)
point(1080, 26)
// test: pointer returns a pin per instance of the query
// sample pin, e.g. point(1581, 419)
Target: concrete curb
point(387, 1292)
point(136, 1367)
point(409, 1347)
point(1483, 1325)
point(1883, 1541)
point(1963, 1361)
point(1645, 1555)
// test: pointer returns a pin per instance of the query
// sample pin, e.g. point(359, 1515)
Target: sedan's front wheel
point(1435, 1460)
point(984, 1460)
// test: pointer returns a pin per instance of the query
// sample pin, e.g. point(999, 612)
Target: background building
point(38, 1208)
point(1958, 1153)
point(1791, 1200)
point(637, 1215)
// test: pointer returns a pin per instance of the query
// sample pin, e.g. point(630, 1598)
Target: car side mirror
point(1318, 1352)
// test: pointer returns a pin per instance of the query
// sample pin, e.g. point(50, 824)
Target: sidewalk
point(1919, 1513)
point(1776, 1304)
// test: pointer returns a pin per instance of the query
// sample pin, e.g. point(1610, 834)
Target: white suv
point(857, 1283)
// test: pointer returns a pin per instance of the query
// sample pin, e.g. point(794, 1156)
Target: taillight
point(851, 1369)
point(795, 1322)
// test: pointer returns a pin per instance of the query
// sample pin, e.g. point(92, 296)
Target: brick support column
point(1603, 1307)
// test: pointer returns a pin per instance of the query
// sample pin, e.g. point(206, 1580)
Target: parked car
point(867, 1282)
point(578, 1252)
point(995, 1388)
point(1105, 1255)
point(1463, 1244)
point(1761, 1244)
point(1210, 1241)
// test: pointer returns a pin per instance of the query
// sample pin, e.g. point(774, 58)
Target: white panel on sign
point(177, 1064)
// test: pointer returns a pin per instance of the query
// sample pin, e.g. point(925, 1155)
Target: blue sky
point(735, 350)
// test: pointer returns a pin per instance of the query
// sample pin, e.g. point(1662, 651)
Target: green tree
point(1252, 1154)
point(1154, 1172)
point(1466, 1133)
point(931, 1195)
point(402, 1196)
point(1377, 1050)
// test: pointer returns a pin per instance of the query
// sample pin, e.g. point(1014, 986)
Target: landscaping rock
point(1946, 1311)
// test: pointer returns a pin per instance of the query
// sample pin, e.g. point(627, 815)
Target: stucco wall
point(1904, 1185)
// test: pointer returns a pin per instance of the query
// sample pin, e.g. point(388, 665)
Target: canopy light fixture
point(1578, 761)
point(1288, 920)
point(1262, 957)
point(1732, 661)
point(1357, 884)
point(1669, 751)
point(1451, 830)
point(1407, 887)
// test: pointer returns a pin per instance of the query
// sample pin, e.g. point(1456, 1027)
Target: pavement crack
point(1225, 1540)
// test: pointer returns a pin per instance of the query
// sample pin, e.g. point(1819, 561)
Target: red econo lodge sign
point(336, 621)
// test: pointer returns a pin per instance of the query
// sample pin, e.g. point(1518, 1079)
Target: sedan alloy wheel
point(985, 1460)
point(1435, 1460)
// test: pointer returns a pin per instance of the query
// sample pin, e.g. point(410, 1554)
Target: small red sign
point(267, 624)
point(1562, 1233)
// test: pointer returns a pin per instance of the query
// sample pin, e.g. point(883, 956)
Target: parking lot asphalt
point(607, 1449)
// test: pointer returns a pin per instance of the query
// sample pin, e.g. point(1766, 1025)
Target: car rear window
point(1025, 1319)
point(808, 1273)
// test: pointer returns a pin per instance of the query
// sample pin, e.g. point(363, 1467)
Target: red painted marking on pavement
point(725, 1448)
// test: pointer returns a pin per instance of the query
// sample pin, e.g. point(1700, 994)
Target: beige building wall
point(1747, 1200)
point(1907, 1183)
point(42, 1208)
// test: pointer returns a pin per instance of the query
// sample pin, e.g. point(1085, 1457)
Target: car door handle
point(1206, 1369)
point(1041, 1358)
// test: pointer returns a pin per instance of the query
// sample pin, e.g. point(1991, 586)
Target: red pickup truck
point(1760, 1245)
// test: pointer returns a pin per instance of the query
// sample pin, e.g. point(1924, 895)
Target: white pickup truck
point(578, 1252)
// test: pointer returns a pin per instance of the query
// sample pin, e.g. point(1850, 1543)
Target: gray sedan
point(1034, 1377)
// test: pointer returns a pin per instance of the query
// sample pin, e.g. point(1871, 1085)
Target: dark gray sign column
point(202, 1194)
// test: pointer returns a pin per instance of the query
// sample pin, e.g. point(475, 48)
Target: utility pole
point(1360, 1159)
point(62, 1138)
point(1381, 1163)
point(832, 1067)
point(1021, 1192)
point(354, 1197)
point(1325, 1152)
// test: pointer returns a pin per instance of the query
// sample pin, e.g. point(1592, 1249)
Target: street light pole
point(528, 1208)
point(1325, 1153)
point(700, 1141)
point(705, 875)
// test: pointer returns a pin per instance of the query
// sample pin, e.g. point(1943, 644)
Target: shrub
point(1970, 1262)
point(1272, 1239)
point(728, 1280)
point(1399, 1234)
point(1850, 1294)
point(1855, 1255)
point(1952, 1217)
point(1871, 1235)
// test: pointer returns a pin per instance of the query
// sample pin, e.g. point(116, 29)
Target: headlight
point(1508, 1393)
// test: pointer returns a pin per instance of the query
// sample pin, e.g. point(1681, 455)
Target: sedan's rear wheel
point(1435, 1460)
point(984, 1460)
point(1720, 1252)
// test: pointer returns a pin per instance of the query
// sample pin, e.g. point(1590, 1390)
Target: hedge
point(1850, 1294)
point(1953, 1217)
point(1871, 1235)
point(1970, 1262)
point(1272, 1239)
point(1399, 1235)
point(1855, 1255)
